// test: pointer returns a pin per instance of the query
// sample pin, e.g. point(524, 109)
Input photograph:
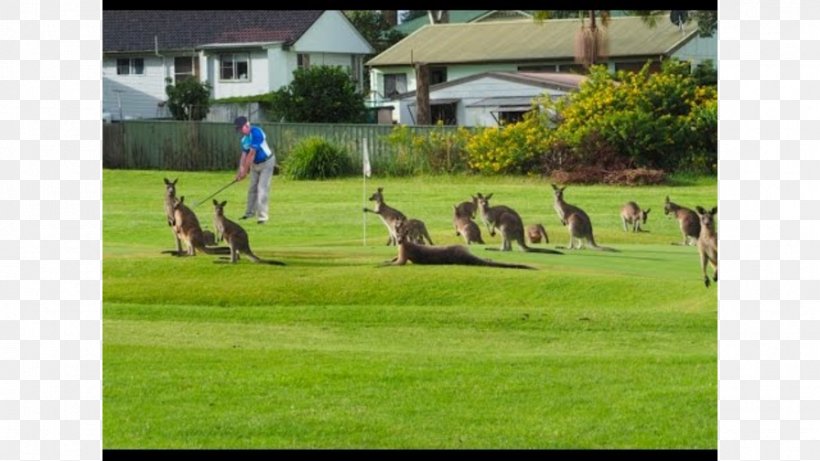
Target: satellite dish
point(679, 17)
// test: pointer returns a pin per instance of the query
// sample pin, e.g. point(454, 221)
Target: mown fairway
point(593, 350)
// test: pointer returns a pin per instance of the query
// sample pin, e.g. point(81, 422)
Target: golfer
point(257, 160)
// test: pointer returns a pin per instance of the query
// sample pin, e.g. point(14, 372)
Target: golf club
point(220, 190)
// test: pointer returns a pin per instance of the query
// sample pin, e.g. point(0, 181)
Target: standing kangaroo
point(468, 208)
point(577, 222)
point(416, 230)
point(688, 220)
point(235, 235)
point(170, 202)
point(536, 232)
point(187, 228)
point(452, 254)
point(633, 215)
point(707, 242)
point(465, 226)
point(507, 221)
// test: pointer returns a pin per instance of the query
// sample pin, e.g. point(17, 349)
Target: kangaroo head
point(558, 191)
point(377, 196)
point(667, 206)
point(170, 187)
point(644, 214)
point(707, 218)
point(483, 202)
point(219, 208)
point(179, 203)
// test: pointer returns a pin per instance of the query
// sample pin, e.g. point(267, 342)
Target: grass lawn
point(593, 350)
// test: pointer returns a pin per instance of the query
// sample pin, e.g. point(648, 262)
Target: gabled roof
point(455, 16)
point(529, 40)
point(134, 30)
point(552, 80)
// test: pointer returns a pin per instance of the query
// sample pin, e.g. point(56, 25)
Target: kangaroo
point(452, 254)
point(707, 242)
point(468, 208)
point(235, 235)
point(509, 223)
point(465, 226)
point(577, 222)
point(535, 232)
point(417, 231)
point(688, 220)
point(633, 215)
point(388, 215)
point(187, 228)
point(170, 201)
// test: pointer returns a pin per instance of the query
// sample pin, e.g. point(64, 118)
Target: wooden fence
point(194, 146)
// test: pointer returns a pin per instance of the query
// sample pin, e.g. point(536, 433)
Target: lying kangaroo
point(707, 242)
point(170, 201)
point(632, 214)
point(235, 235)
point(187, 228)
point(688, 220)
point(417, 230)
point(453, 254)
point(577, 222)
point(536, 232)
point(509, 223)
point(465, 226)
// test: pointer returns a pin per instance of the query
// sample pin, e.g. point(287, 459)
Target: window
point(438, 75)
point(445, 113)
point(235, 66)
point(505, 118)
point(394, 84)
point(186, 67)
point(302, 61)
point(128, 66)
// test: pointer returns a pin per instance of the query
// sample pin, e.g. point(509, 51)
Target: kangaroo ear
point(667, 199)
point(647, 210)
point(700, 209)
point(175, 181)
point(166, 181)
point(478, 195)
point(223, 204)
point(181, 199)
point(216, 203)
point(714, 210)
point(489, 195)
point(379, 189)
point(554, 187)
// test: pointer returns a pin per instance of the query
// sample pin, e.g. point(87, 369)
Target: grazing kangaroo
point(465, 226)
point(187, 228)
point(536, 232)
point(632, 214)
point(688, 220)
point(416, 230)
point(707, 242)
point(170, 201)
point(509, 223)
point(235, 235)
point(577, 222)
point(452, 254)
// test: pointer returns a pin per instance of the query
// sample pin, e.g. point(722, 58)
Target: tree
point(319, 94)
point(591, 42)
point(706, 19)
point(375, 28)
point(189, 99)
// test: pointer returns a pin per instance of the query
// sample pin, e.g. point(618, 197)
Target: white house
point(240, 53)
point(488, 99)
point(456, 51)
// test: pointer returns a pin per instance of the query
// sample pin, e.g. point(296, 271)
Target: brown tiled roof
point(134, 30)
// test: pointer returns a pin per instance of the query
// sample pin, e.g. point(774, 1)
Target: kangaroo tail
point(214, 250)
point(595, 246)
point(487, 262)
point(541, 250)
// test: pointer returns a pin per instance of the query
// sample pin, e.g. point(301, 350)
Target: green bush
point(315, 158)
point(189, 99)
point(442, 150)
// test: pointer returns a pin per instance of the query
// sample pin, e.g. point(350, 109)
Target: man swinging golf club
point(257, 160)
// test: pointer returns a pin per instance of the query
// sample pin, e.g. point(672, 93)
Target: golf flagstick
point(365, 175)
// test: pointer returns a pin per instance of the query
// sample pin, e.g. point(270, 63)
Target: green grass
point(593, 350)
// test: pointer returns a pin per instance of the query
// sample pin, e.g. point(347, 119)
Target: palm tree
point(591, 41)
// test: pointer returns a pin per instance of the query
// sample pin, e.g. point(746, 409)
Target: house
point(455, 51)
point(240, 53)
point(489, 98)
point(462, 16)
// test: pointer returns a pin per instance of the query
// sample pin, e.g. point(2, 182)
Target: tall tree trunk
point(423, 94)
point(438, 16)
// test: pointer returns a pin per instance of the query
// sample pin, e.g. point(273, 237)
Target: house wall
point(471, 92)
point(698, 49)
point(139, 94)
point(281, 65)
point(259, 77)
point(332, 33)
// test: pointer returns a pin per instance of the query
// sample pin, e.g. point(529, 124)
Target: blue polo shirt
point(256, 139)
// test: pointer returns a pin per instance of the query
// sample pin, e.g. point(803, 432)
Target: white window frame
point(132, 66)
point(194, 67)
point(303, 61)
point(235, 57)
point(394, 76)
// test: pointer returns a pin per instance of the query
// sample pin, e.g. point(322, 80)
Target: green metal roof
point(525, 40)
point(455, 16)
